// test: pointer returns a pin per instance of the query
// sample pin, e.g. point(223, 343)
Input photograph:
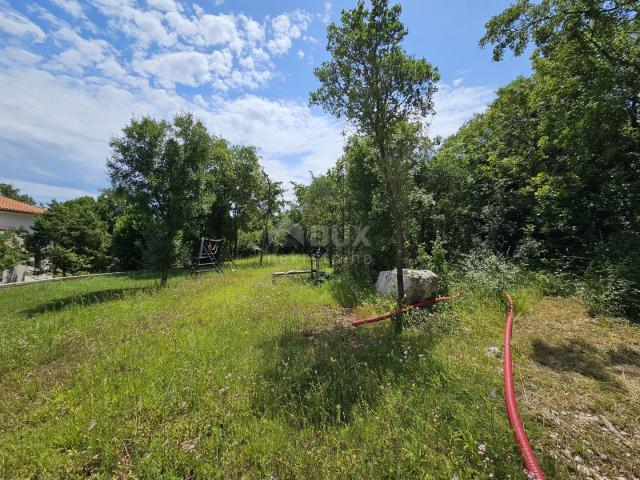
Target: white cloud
point(292, 139)
point(72, 7)
point(300, 54)
point(44, 14)
point(16, 55)
point(326, 16)
point(145, 26)
point(42, 192)
point(112, 69)
point(455, 105)
point(188, 68)
point(253, 30)
point(82, 52)
point(164, 5)
point(218, 3)
point(15, 24)
point(286, 27)
point(181, 24)
point(219, 29)
point(51, 121)
point(458, 81)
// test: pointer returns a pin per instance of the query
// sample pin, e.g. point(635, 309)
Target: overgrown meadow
point(233, 376)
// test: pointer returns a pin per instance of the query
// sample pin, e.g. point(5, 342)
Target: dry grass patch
point(580, 377)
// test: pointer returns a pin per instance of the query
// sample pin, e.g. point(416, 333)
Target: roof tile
point(10, 205)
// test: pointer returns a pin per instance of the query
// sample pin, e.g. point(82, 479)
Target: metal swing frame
point(211, 257)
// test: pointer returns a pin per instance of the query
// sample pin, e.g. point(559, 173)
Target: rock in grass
point(419, 285)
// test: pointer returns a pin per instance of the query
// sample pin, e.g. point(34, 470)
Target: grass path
point(233, 377)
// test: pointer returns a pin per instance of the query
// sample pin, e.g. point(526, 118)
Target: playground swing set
point(211, 257)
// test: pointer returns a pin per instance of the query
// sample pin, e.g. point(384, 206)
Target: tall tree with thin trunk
point(378, 87)
point(270, 204)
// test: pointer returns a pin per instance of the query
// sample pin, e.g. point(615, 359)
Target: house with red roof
point(15, 214)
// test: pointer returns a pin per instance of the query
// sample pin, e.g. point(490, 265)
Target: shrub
point(353, 281)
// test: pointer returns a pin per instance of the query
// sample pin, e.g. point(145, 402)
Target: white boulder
point(419, 285)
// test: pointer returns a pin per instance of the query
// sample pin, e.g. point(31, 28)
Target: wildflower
point(482, 448)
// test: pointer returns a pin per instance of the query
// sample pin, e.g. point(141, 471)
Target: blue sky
point(72, 73)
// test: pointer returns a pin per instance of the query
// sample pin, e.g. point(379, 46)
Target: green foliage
point(550, 173)
point(270, 202)
point(161, 169)
point(248, 243)
point(126, 229)
point(71, 237)
point(12, 250)
point(323, 211)
point(370, 79)
point(486, 273)
point(9, 191)
point(353, 283)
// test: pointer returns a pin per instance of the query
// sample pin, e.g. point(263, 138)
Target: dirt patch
point(580, 377)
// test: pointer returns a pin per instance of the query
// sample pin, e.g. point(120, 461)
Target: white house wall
point(13, 220)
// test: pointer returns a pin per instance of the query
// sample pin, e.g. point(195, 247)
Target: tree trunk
point(264, 241)
point(265, 237)
point(399, 227)
point(396, 215)
point(164, 276)
point(235, 237)
point(167, 258)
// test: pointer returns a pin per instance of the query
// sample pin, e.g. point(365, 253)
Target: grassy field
point(234, 377)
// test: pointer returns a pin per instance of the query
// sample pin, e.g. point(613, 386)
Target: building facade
point(15, 214)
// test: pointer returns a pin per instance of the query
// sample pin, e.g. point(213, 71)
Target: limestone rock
point(419, 285)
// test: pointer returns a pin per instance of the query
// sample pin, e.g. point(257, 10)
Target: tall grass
point(233, 376)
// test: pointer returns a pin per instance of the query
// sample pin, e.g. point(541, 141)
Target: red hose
point(357, 323)
point(530, 461)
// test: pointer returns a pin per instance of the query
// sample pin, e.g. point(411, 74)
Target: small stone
point(188, 445)
point(493, 351)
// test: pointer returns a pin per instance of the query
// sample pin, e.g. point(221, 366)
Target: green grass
point(234, 377)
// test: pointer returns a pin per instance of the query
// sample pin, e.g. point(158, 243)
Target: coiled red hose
point(530, 461)
point(364, 321)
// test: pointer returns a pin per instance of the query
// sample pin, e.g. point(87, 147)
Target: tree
point(245, 183)
point(582, 161)
point(270, 203)
point(71, 236)
point(594, 40)
point(12, 251)
point(9, 191)
point(161, 169)
point(321, 207)
point(126, 229)
point(376, 85)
